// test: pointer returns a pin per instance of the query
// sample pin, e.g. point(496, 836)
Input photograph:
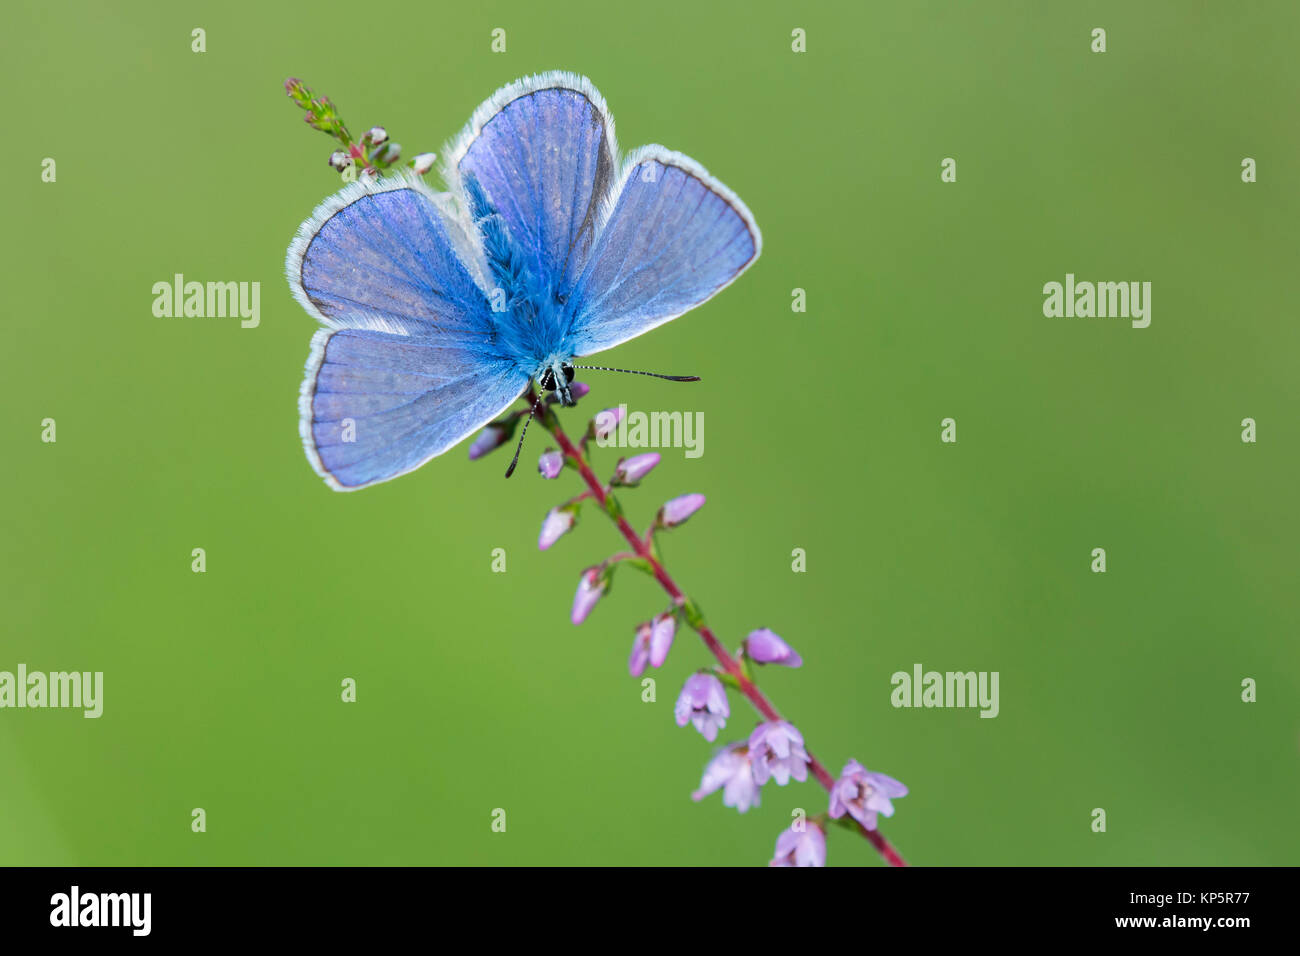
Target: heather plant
point(775, 749)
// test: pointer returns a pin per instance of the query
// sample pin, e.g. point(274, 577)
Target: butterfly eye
point(567, 369)
point(548, 380)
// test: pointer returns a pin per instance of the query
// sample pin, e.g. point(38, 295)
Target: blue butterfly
point(440, 308)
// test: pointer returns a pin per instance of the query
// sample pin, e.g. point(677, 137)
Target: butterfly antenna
point(632, 371)
point(520, 447)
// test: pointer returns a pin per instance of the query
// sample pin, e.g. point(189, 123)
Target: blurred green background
point(1119, 691)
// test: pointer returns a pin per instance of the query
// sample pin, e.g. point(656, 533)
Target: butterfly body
point(440, 308)
point(529, 320)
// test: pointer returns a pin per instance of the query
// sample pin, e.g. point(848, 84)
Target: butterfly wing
point(543, 150)
point(376, 405)
point(672, 237)
point(405, 368)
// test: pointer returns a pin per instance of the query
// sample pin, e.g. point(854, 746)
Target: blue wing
point(673, 238)
point(376, 405)
point(406, 367)
point(543, 151)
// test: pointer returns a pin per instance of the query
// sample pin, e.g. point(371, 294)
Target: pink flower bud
point(423, 162)
point(679, 509)
point(377, 135)
point(765, 647)
point(550, 464)
point(576, 389)
point(340, 160)
point(640, 657)
point(590, 588)
point(662, 630)
point(632, 470)
point(493, 436)
point(606, 421)
point(555, 525)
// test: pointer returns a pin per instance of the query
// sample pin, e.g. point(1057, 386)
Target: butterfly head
point(556, 377)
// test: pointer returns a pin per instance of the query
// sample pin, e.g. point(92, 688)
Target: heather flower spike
point(703, 702)
point(862, 794)
point(776, 748)
point(676, 512)
point(550, 464)
point(730, 771)
point(629, 471)
point(374, 154)
point(765, 647)
point(805, 847)
point(321, 113)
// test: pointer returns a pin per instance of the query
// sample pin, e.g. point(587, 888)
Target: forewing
point(543, 150)
point(389, 255)
point(674, 237)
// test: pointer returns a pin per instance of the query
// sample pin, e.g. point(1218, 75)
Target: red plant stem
point(357, 153)
point(729, 664)
point(576, 498)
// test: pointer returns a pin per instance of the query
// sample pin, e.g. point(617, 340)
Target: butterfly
point(441, 309)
